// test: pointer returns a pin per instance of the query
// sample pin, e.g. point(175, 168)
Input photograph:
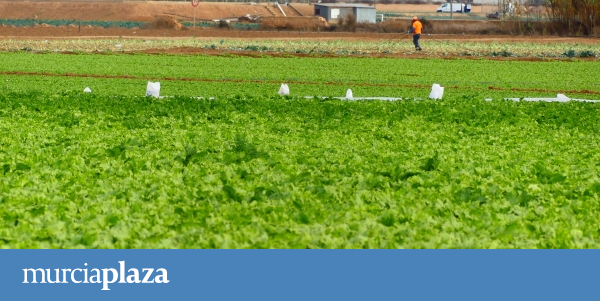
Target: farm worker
point(416, 31)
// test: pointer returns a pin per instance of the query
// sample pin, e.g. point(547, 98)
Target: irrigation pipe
point(415, 99)
point(404, 37)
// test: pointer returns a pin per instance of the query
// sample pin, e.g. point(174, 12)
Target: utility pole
point(451, 8)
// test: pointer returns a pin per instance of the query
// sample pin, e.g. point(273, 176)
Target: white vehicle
point(456, 7)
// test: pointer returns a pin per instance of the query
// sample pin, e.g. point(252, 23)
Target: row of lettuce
point(222, 76)
point(86, 171)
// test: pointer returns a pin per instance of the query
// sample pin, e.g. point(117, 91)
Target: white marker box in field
point(349, 94)
point(153, 89)
point(284, 90)
point(437, 92)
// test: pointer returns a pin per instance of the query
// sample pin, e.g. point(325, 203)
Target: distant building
point(333, 12)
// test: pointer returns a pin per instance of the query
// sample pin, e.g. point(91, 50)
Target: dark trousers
point(416, 40)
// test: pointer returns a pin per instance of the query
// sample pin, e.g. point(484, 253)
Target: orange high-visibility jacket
point(417, 26)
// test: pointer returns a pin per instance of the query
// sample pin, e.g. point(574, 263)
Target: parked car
point(456, 7)
point(494, 16)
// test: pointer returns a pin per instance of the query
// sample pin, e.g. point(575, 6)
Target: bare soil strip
point(134, 10)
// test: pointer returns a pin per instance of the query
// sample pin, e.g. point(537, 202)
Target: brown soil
point(134, 11)
point(164, 22)
point(298, 23)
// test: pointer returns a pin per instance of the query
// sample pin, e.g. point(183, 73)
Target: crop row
point(432, 47)
point(80, 170)
point(222, 76)
point(254, 169)
point(37, 22)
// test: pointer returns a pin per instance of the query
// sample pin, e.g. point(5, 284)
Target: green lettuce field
point(252, 169)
